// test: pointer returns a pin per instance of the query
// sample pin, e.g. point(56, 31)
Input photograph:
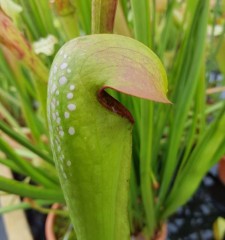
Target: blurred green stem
point(141, 12)
point(103, 15)
point(25, 190)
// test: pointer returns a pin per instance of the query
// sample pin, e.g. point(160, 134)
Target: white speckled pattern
point(58, 83)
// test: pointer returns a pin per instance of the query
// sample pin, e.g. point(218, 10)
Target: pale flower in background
point(217, 31)
point(45, 45)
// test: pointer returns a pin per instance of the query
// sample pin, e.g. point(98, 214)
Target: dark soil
point(195, 220)
point(37, 224)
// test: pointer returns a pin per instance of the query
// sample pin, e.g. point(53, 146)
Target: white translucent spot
point(61, 133)
point(57, 113)
point(57, 103)
point(53, 105)
point(57, 92)
point(69, 95)
point(65, 55)
point(61, 52)
point(58, 120)
point(71, 107)
point(55, 69)
point(63, 65)
point(59, 148)
point(71, 131)
point(69, 70)
point(66, 114)
point(68, 163)
point(53, 88)
point(53, 116)
point(72, 87)
point(62, 80)
point(57, 139)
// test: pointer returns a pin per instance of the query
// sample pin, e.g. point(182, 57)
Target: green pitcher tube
point(91, 133)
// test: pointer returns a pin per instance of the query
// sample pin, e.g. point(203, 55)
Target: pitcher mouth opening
point(113, 105)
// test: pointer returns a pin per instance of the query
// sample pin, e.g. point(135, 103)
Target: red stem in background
point(103, 15)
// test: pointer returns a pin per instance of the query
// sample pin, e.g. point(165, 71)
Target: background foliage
point(173, 146)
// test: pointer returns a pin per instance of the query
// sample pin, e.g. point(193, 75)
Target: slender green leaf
point(30, 170)
point(187, 77)
point(25, 190)
point(25, 142)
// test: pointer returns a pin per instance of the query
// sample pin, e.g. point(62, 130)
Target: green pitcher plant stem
point(91, 132)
